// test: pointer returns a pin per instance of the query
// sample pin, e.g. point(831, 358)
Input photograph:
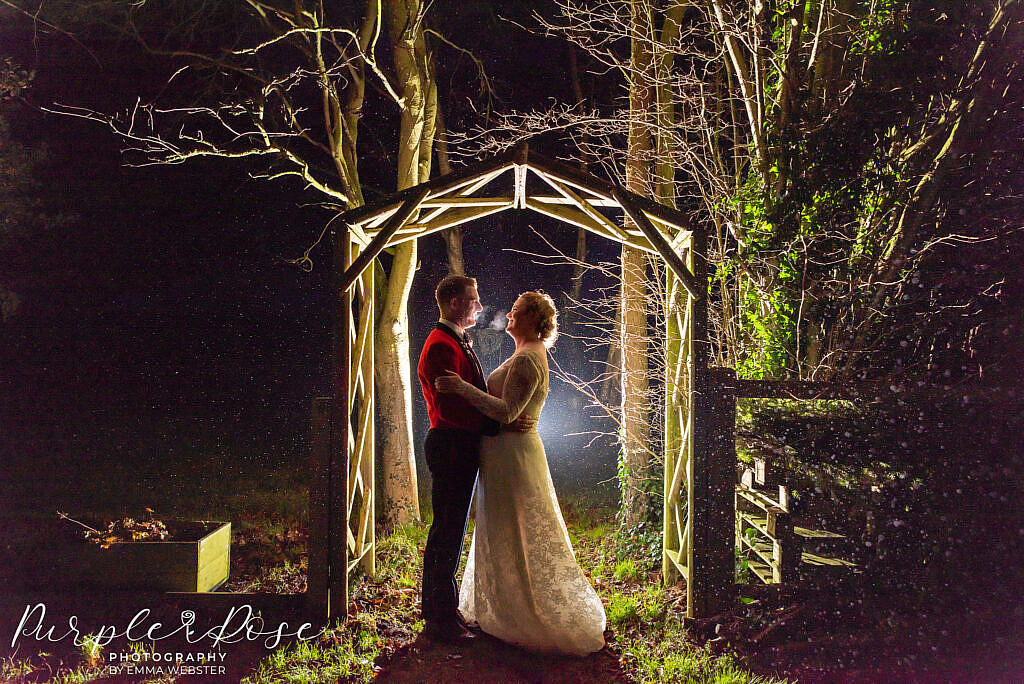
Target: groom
point(452, 450)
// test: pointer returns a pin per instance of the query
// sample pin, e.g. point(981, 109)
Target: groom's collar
point(459, 331)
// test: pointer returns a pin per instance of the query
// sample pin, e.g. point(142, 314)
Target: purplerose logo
point(241, 623)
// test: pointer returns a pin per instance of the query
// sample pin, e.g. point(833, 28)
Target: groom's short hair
point(452, 286)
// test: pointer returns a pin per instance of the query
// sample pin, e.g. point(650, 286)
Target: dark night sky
point(169, 302)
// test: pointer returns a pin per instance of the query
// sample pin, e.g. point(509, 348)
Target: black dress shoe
point(466, 624)
point(451, 633)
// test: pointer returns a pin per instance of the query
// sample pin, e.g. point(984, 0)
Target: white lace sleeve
point(524, 376)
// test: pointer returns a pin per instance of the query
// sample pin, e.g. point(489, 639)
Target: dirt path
point(489, 661)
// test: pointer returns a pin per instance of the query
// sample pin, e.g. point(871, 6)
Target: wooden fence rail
point(765, 531)
point(764, 527)
point(775, 547)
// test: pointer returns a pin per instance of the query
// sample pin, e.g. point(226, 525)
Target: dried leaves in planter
point(123, 530)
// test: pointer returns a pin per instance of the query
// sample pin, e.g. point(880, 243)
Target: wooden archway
point(698, 530)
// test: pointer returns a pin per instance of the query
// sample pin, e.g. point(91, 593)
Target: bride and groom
point(522, 583)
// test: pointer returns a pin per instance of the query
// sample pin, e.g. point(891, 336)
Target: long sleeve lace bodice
point(520, 385)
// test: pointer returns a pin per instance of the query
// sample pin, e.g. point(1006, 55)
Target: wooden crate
point(197, 558)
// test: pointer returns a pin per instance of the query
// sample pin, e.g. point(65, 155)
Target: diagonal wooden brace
point(659, 243)
point(380, 241)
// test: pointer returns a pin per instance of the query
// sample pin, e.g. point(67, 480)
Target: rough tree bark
point(399, 501)
point(635, 461)
point(452, 236)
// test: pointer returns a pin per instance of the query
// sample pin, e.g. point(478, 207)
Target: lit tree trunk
point(611, 386)
point(576, 289)
point(634, 348)
point(635, 463)
point(750, 96)
point(452, 236)
point(399, 502)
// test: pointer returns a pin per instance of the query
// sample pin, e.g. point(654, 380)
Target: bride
point(522, 583)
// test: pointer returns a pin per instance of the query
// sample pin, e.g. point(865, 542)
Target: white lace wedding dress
point(522, 583)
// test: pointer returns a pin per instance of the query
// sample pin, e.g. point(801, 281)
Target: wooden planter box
point(197, 557)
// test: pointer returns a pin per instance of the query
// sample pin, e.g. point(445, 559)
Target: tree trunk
point(747, 84)
point(452, 236)
point(579, 268)
point(633, 343)
point(398, 496)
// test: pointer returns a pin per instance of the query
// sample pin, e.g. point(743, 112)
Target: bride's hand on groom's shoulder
point(449, 383)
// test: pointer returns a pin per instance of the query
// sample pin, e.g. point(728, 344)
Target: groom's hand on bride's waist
point(449, 383)
point(523, 423)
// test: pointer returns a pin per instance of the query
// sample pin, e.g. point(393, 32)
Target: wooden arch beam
point(380, 241)
point(521, 156)
point(602, 188)
point(438, 186)
point(400, 207)
point(658, 241)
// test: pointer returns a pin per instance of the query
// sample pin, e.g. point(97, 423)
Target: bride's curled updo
point(543, 307)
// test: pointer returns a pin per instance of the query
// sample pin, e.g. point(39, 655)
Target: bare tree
point(818, 165)
point(285, 89)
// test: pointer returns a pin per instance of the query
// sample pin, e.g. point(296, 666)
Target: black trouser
point(453, 457)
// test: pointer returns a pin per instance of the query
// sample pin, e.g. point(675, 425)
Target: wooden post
point(760, 468)
point(319, 539)
point(698, 602)
point(747, 478)
point(722, 478)
point(367, 415)
point(711, 474)
point(341, 422)
point(766, 475)
point(738, 525)
point(673, 448)
point(786, 546)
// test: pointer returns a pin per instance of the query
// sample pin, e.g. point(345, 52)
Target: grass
point(646, 618)
point(91, 649)
point(654, 647)
point(622, 611)
point(652, 644)
point(268, 515)
point(340, 654)
point(626, 570)
point(37, 669)
point(14, 669)
point(387, 617)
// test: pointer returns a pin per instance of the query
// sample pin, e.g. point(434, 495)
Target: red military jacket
point(442, 352)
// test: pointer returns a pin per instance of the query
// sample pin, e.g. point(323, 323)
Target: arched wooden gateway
point(699, 470)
